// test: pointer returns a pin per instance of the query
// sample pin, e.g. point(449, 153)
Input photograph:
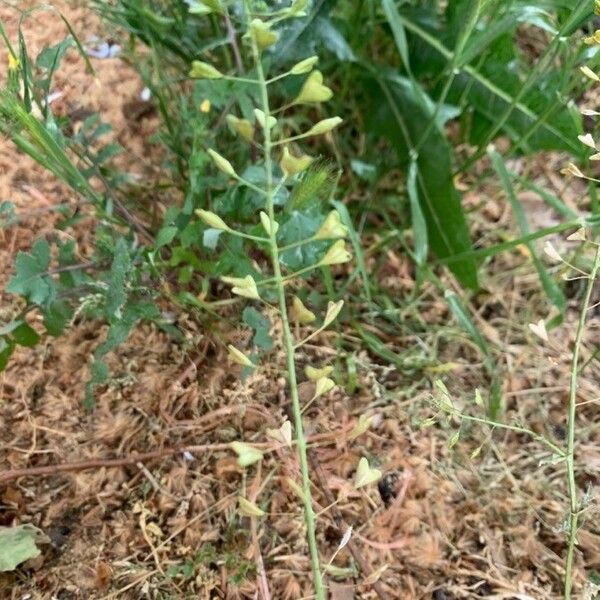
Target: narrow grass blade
point(551, 288)
point(419, 225)
point(356, 245)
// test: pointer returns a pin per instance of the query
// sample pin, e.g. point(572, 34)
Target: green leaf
point(7, 347)
point(400, 115)
point(25, 335)
point(56, 317)
point(418, 220)
point(17, 544)
point(166, 235)
point(261, 326)
point(49, 58)
point(120, 269)
point(31, 279)
point(392, 16)
point(300, 38)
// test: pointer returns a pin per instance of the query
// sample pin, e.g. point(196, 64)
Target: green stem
point(574, 507)
point(287, 336)
point(536, 436)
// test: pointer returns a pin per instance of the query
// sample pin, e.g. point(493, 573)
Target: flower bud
point(333, 310)
point(300, 313)
point(313, 90)
point(222, 163)
point(324, 126)
point(315, 374)
point(262, 34)
point(332, 227)
point(247, 454)
point(238, 357)
point(212, 220)
point(267, 223)
point(249, 509)
point(304, 66)
point(291, 165)
point(336, 255)
point(587, 140)
point(202, 70)
point(243, 286)
point(242, 127)
point(262, 119)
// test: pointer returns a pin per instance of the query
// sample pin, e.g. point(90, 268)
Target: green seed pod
point(313, 90)
point(203, 70)
point(304, 66)
point(324, 126)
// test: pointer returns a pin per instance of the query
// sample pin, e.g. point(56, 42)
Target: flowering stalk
point(287, 334)
point(574, 506)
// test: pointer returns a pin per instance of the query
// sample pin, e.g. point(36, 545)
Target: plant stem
point(287, 335)
point(574, 507)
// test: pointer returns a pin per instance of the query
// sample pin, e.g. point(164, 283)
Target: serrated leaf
point(31, 279)
point(17, 544)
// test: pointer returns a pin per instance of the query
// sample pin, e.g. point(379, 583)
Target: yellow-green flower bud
point(267, 224)
point(262, 119)
point(333, 310)
point(238, 357)
point(243, 286)
point(291, 165)
point(242, 127)
point(222, 163)
point(212, 220)
point(247, 454)
point(313, 90)
point(336, 255)
point(297, 8)
point(315, 374)
point(202, 70)
point(304, 66)
point(300, 313)
point(249, 509)
point(324, 126)
point(262, 34)
point(332, 228)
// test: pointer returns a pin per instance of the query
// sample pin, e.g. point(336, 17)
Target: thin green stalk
point(287, 334)
point(574, 507)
